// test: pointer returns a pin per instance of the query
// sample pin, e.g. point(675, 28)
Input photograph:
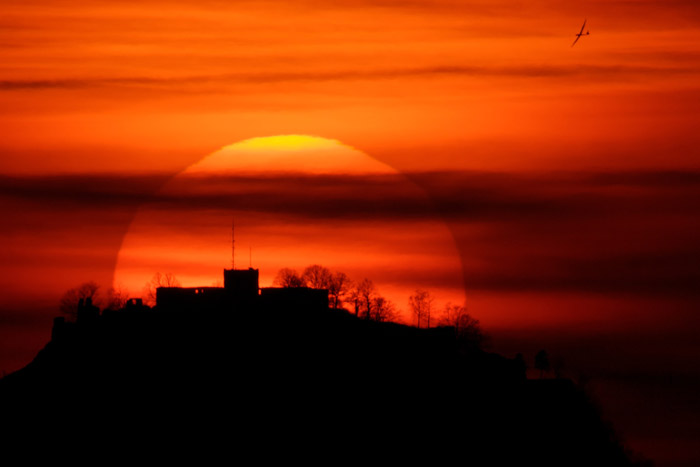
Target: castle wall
point(191, 298)
point(294, 298)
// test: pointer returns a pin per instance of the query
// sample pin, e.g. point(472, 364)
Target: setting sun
point(288, 153)
point(285, 143)
point(297, 201)
point(464, 148)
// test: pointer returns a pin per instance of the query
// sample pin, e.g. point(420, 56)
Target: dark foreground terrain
point(291, 387)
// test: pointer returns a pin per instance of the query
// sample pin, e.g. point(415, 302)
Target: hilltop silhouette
point(276, 371)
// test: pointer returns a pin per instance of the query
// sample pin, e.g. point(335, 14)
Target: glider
point(578, 36)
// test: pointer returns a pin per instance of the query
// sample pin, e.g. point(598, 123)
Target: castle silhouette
point(240, 296)
point(241, 291)
point(280, 358)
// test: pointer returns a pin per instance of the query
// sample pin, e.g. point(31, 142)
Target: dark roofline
point(190, 288)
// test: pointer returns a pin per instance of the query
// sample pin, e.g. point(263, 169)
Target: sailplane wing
point(584, 25)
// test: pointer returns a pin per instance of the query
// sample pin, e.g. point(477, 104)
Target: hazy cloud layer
point(608, 233)
point(463, 196)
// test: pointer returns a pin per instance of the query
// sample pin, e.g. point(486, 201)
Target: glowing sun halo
point(297, 200)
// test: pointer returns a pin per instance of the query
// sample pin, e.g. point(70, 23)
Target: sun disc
point(297, 200)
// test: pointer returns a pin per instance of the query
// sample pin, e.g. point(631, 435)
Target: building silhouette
point(241, 291)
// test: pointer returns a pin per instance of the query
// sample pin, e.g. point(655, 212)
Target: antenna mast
point(233, 244)
point(250, 258)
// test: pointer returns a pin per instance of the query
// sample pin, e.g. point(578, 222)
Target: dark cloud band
point(600, 72)
point(598, 232)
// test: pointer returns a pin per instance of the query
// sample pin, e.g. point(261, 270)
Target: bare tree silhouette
point(69, 302)
point(287, 277)
point(383, 310)
point(361, 294)
point(159, 280)
point(317, 277)
point(467, 328)
point(116, 298)
point(338, 288)
point(421, 303)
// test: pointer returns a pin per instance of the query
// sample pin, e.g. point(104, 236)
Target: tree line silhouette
point(367, 303)
point(361, 297)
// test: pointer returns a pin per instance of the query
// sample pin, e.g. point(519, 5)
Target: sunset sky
point(563, 182)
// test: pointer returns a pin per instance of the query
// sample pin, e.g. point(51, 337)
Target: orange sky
point(108, 84)
point(568, 177)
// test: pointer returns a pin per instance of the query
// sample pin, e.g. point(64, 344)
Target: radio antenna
point(233, 244)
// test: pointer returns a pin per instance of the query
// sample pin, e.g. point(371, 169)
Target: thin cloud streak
point(597, 71)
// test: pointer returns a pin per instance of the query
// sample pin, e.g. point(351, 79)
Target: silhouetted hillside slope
point(321, 381)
